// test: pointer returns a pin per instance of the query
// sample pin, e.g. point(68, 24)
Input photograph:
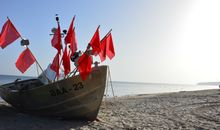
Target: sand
point(183, 110)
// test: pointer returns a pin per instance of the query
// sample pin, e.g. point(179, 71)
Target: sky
point(156, 41)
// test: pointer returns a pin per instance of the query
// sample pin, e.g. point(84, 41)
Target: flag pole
point(107, 34)
point(40, 67)
point(26, 45)
point(57, 19)
point(58, 23)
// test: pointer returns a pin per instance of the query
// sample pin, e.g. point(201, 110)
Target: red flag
point(8, 34)
point(56, 40)
point(73, 44)
point(95, 42)
point(55, 65)
point(71, 37)
point(107, 48)
point(102, 53)
point(66, 61)
point(110, 51)
point(25, 60)
point(85, 65)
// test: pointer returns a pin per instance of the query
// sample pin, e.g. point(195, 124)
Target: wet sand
point(182, 110)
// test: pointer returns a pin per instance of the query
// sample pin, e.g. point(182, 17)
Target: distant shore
point(181, 110)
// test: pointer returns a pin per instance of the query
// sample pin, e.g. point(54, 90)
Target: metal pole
point(37, 62)
point(106, 35)
point(37, 70)
point(40, 67)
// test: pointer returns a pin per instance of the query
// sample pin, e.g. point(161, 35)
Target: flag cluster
point(99, 47)
point(107, 48)
point(103, 47)
point(70, 40)
point(8, 35)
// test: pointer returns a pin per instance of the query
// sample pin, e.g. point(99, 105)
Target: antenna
point(57, 18)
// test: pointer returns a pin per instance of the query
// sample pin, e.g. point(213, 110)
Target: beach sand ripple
point(183, 110)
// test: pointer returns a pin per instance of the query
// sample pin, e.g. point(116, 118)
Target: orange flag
point(8, 34)
point(25, 60)
point(107, 48)
point(66, 61)
point(95, 42)
point(85, 65)
point(56, 40)
point(55, 65)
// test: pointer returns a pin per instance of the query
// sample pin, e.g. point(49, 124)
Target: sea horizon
point(124, 88)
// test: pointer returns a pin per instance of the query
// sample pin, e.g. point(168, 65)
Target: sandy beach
point(183, 110)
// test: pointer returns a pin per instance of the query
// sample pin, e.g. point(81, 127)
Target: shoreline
point(173, 110)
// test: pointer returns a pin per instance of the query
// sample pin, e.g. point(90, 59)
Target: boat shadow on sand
point(11, 118)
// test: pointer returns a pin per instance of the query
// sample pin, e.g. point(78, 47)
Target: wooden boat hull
point(67, 98)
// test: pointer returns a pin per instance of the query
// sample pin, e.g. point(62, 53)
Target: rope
point(109, 75)
point(113, 105)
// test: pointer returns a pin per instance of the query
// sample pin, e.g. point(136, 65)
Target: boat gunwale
point(44, 85)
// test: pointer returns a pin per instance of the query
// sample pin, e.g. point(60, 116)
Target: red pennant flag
point(66, 61)
point(8, 34)
point(95, 42)
point(56, 40)
point(25, 60)
point(85, 65)
point(107, 48)
point(55, 65)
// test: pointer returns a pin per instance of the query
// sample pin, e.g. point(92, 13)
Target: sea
point(117, 88)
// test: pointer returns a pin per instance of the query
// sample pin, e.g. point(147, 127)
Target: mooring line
point(114, 100)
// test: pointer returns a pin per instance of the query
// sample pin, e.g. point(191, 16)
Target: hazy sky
point(162, 41)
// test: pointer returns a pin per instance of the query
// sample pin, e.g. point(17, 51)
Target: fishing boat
point(76, 95)
point(70, 98)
